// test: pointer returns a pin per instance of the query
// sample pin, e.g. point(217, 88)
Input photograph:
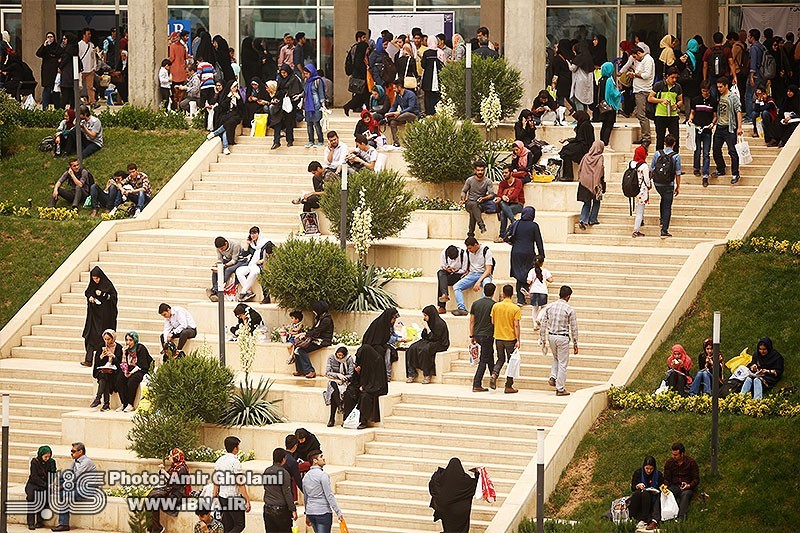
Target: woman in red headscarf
point(175, 485)
point(678, 365)
point(368, 127)
point(639, 164)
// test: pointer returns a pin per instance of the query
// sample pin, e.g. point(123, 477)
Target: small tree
point(491, 112)
point(385, 195)
point(507, 81)
point(440, 149)
point(362, 228)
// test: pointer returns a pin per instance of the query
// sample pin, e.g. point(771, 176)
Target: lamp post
point(540, 480)
point(715, 394)
point(119, 36)
point(221, 307)
point(4, 478)
point(76, 76)
point(343, 211)
point(468, 81)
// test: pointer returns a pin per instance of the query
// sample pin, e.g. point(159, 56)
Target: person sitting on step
point(319, 336)
point(136, 362)
point(228, 251)
point(339, 370)
point(247, 317)
point(107, 360)
point(135, 188)
point(247, 274)
point(454, 264)
point(319, 177)
point(178, 324)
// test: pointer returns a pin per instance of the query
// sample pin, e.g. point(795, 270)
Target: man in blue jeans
point(756, 52)
point(82, 490)
point(481, 331)
point(729, 126)
point(320, 502)
point(479, 272)
point(136, 188)
point(669, 187)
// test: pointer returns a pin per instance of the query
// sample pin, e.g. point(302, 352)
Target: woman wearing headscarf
point(177, 58)
point(379, 334)
point(359, 54)
point(782, 129)
point(574, 149)
point(267, 63)
point(422, 354)
point(582, 68)
point(624, 64)
point(452, 491)
point(645, 184)
point(109, 355)
point(525, 128)
point(227, 115)
point(607, 92)
point(250, 59)
point(289, 86)
point(339, 370)
point(39, 482)
point(205, 49)
point(379, 103)
point(70, 43)
point(63, 131)
point(767, 363)
point(459, 47)
point(678, 365)
point(136, 362)
point(598, 50)
point(645, 503)
point(256, 99)
point(319, 336)
point(525, 238)
point(542, 105)
point(101, 312)
point(406, 64)
point(373, 384)
point(667, 57)
point(705, 374)
point(778, 83)
point(431, 66)
point(562, 75)
point(313, 102)
point(222, 56)
point(690, 81)
point(523, 160)
point(368, 126)
point(274, 106)
point(591, 184)
point(175, 486)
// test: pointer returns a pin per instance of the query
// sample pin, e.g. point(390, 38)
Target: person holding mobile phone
point(50, 53)
point(682, 476)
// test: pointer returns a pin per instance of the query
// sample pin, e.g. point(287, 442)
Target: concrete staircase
point(618, 282)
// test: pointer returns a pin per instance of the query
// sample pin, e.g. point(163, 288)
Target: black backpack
point(630, 181)
point(349, 61)
point(485, 249)
point(717, 62)
point(389, 72)
point(664, 170)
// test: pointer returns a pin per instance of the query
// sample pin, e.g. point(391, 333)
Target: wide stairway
point(618, 282)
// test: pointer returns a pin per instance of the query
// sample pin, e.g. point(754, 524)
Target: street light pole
point(76, 76)
point(343, 211)
point(221, 307)
point(468, 81)
point(540, 480)
point(119, 37)
point(715, 394)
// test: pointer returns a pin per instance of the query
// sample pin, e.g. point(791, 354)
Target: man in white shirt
point(178, 323)
point(232, 494)
point(87, 55)
point(453, 266)
point(479, 272)
point(335, 154)
point(364, 156)
point(81, 466)
point(643, 75)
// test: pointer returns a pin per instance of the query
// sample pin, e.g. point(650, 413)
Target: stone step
point(651, 239)
point(693, 231)
point(399, 522)
point(411, 477)
point(211, 217)
point(420, 508)
point(226, 227)
point(538, 383)
point(706, 212)
point(445, 452)
point(425, 464)
point(471, 413)
point(455, 440)
point(540, 368)
point(155, 258)
point(158, 279)
point(624, 326)
point(502, 404)
point(708, 221)
point(36, 409)
point(733, 199)
point(31, 384)
point(69, 337)
point(47, 397)
point(133, 299)
point(254, 205)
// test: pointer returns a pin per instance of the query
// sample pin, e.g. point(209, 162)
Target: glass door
point(650, 23)
point(11, 20)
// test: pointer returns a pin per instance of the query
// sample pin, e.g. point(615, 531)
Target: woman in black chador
point(101, 312)
point(452, 491)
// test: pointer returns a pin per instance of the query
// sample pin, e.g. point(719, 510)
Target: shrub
point(205, 454)
point(200, 121)
point(154, 434)
point(9, 118)
point(439, 149)
point(191, 384)
point(425, 203)
point(370, 293)
point(143, 118)
point(249, 406)
point(303, 270)
point(507, 83)
point(39, 118)
point(386, 197)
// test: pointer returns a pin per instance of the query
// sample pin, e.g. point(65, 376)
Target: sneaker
point(290, 361)
point(290, 144)
point(121, 408)
point(410, 380)
point(716, 174)
point(214, 298)
point(247, 296)
point(275, 146)
point(225, 151)
point(442, 311)
point(582, 225)
point(551, 382)
point(210, 136)
point(297, 201)
point(396, 144)
point(311, 375)
point(499, 239)
point(493, 382)
point(319, 145)
point(482, 228)
point(653, 525)
point(562, 392)
point(705, 181)
point(105, 408)
point(426, 380)
point(137, 212)
point(460, 312)
point(637, 234)
point(129, 409)
point(94, 404)
point(641, 525)
point(308, 145)
point(735, 179)
point(666, 235)
point(697, 172)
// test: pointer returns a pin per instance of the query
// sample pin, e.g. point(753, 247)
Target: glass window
point(467, 19)
point(449, 3)
point(581, 2)
point(391, 3)
point(271, 24)
point(563, 23)
point(197, 16)
point(326, 52)
point(12, 22)
point(272, 3)
point(734, 19)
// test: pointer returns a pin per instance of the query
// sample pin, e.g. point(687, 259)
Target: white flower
point(247, 346)
point(446, 107)
point(491, 110)
point(361, 232)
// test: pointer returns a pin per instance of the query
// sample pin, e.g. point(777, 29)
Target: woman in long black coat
point(526, 239)
point(222, 57)
point(229, 110)
point(577, 147)
point(422, 354)
point(360, 51)
point(50, 53)
point(373, 384)
point(288, 85)
point(101, 312)
point(109, 353)
point(39, 482)
point(451, 491)
point(250, 59)
point(378, 334)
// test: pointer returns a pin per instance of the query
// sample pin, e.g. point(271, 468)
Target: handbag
point(356, 85)
point(604, 107)
point(409, 82)
point(302, 342)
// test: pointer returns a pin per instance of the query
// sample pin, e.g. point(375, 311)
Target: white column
point(525, 30)
point(147, 31)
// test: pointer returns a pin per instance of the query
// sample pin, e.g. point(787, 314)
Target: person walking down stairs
point(560, 323)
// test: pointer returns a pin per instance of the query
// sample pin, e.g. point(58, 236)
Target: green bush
point(386, 196)
point(370, 292)
point(303, 270)
point(9, 118)
point(507, 83)
point(155, 433)
point(200, 121)
point(204, 454)
point(192, 384)
point(249, 405)
point(38, 118)
point(440, 149)
point(143, 118)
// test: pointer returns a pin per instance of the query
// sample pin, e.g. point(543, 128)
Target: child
point(294, 329)
point(165, 82)
point(205, 523)
point(538, 278)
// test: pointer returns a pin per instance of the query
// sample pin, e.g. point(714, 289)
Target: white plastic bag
point(735, 90)
point(30, 103)
point(760, 127)
point(478, 489)
point(669, 507)
point(743, 149)
point(691, 140)
point(662, 388)
point(210, 122)
point(353, 419)
point(287, 105)
point(512, 369)
point(474, 353)
point(57, 83)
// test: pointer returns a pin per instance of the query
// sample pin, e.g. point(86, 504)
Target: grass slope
point(32, 249)
point(756, 489)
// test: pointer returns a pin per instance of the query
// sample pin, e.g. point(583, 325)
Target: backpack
point(389, 72)
point(664, 171)
point(485, 249)
point(630, 181)
point(47, 144)
point(619, 510)
point(717, 62)
point(768, 68)
point(349, 61)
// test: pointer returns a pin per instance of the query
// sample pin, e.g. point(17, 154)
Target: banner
point(781, 19)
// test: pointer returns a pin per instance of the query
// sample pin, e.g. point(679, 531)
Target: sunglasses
point(73, 451)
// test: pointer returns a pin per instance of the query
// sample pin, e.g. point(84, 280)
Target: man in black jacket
point(355, 66)
point(279, 506)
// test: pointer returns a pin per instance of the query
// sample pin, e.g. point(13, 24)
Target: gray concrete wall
point(146, 49)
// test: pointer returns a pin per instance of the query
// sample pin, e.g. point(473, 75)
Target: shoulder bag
point(409, 82)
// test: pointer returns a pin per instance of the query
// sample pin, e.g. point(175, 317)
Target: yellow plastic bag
point(743, 359)
point(261, 125)
point(343, 527)
point(543, 178)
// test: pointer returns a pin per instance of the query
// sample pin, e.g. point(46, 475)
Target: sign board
point(781, 19)
point(174, 25)
point(401, 22)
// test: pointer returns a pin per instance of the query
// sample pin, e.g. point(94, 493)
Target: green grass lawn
point(32, 249)
point(756, 489)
